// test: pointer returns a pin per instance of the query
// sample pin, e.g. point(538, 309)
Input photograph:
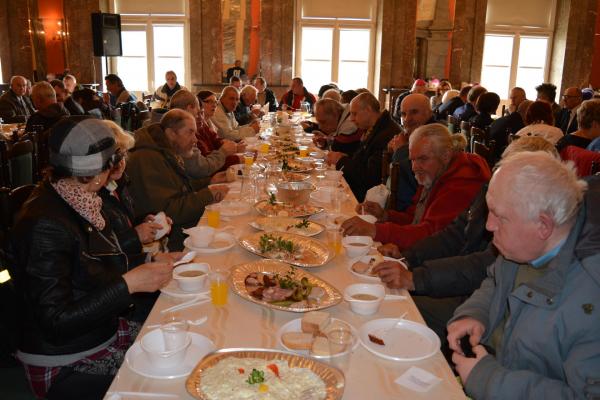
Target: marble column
point(276, 41)
point(398, 43)
point(79, 44)
point(16, 49)
point(206, 38)
point(468, 36)
point(573, 46)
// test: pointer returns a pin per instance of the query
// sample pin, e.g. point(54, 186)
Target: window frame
point(337, 24)
point(517, 32)
point(150, 20)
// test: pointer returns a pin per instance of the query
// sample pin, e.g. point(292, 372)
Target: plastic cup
point(336, 199)
point(219, 286)
point(334, 240)
point(248, 159)
point(264, 148)
point(174, 330)
point(340, 343)
point(303, 151)
point(213, 215)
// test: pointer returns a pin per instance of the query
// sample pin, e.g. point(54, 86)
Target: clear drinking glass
point(174, 330)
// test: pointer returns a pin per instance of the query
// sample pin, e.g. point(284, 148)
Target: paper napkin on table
point(418, 379)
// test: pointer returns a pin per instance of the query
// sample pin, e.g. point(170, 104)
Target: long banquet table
point(242, 324)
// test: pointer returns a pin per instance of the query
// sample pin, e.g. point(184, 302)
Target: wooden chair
point(386, 158)
point(11, 202)
point(465, 129)
point(478, 135)
point(485, 151)
point(453, 124)
point(16, 163)
point(394, 171)
point(595, 168)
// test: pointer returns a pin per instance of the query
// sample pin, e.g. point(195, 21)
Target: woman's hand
point(147, 231)
point(149, 277)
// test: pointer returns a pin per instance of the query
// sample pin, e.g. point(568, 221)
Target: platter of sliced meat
point(281, 286)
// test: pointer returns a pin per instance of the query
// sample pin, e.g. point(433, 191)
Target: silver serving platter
point(264, 208)
point(314, 253)
point(281, 224)
point(240, 272)
point(331, 376)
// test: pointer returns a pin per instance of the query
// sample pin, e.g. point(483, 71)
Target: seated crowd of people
point(505, 256)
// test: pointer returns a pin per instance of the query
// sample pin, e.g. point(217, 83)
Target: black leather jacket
point(68, 276)
point(120, 212)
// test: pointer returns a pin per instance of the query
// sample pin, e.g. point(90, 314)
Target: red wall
point(51, 13)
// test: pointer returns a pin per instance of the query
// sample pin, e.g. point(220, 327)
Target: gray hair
point(541, 183)
point(588, 113)
point(228, 89)
point(367, 100)
point(43, 90)
point(330, 107)
point(332, 94)
point(182, 99)
point(248, 89)
point(175, 119)
point(530, 143)
point(443, 140)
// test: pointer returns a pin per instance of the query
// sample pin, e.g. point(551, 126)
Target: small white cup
point(366, 306)
point(191, 283)
point(368, 217)
point(201, 235)
point(357, 246)
point(154, 344)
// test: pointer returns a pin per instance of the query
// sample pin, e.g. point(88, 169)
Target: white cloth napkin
point(378, 194)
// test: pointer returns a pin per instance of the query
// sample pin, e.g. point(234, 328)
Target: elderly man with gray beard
point(449, 179)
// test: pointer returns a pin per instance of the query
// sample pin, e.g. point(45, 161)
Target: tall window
point(517, 45)
point(154, 40)
point(335, 43)
point(511, 60)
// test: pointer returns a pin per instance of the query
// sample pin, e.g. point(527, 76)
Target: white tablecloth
point(244, 324)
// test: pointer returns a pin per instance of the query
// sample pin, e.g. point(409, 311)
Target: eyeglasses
point(115, 159)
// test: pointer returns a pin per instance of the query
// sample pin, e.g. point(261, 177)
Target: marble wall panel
point(79, 45)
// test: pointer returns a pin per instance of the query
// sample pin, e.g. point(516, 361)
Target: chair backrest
point(394, 172)
point(485, 151)
point(586, 161)
point(453, 124)
point(386, 157)
point(20, 163)
point(11, 202)
point(595, 167)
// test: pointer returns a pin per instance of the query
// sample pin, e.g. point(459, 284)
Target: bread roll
point(297, 340)
point(315, 321)
point(320, 346)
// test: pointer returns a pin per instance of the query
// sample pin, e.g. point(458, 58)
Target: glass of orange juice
point(303, 151)
point(264, 147)
point(213, 215)
point(248, 159)
point(334, 240)
point(219, 286)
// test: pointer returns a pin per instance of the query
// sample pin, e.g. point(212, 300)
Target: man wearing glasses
point(567, 121)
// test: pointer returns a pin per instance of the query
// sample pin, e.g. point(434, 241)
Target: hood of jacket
point(466, 166)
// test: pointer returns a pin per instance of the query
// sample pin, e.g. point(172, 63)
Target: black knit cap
point(81, 146)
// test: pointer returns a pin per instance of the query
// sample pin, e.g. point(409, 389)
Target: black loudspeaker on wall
point(106, 32)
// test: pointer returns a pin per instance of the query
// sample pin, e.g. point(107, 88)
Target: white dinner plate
point(406, 341)
point(366, 259)
point(221, 242)
point(139, 363)
point(234, 208)
point(295, 325)
point(172, 289)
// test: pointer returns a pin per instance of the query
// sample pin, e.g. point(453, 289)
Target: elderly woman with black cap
point(72, 278)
